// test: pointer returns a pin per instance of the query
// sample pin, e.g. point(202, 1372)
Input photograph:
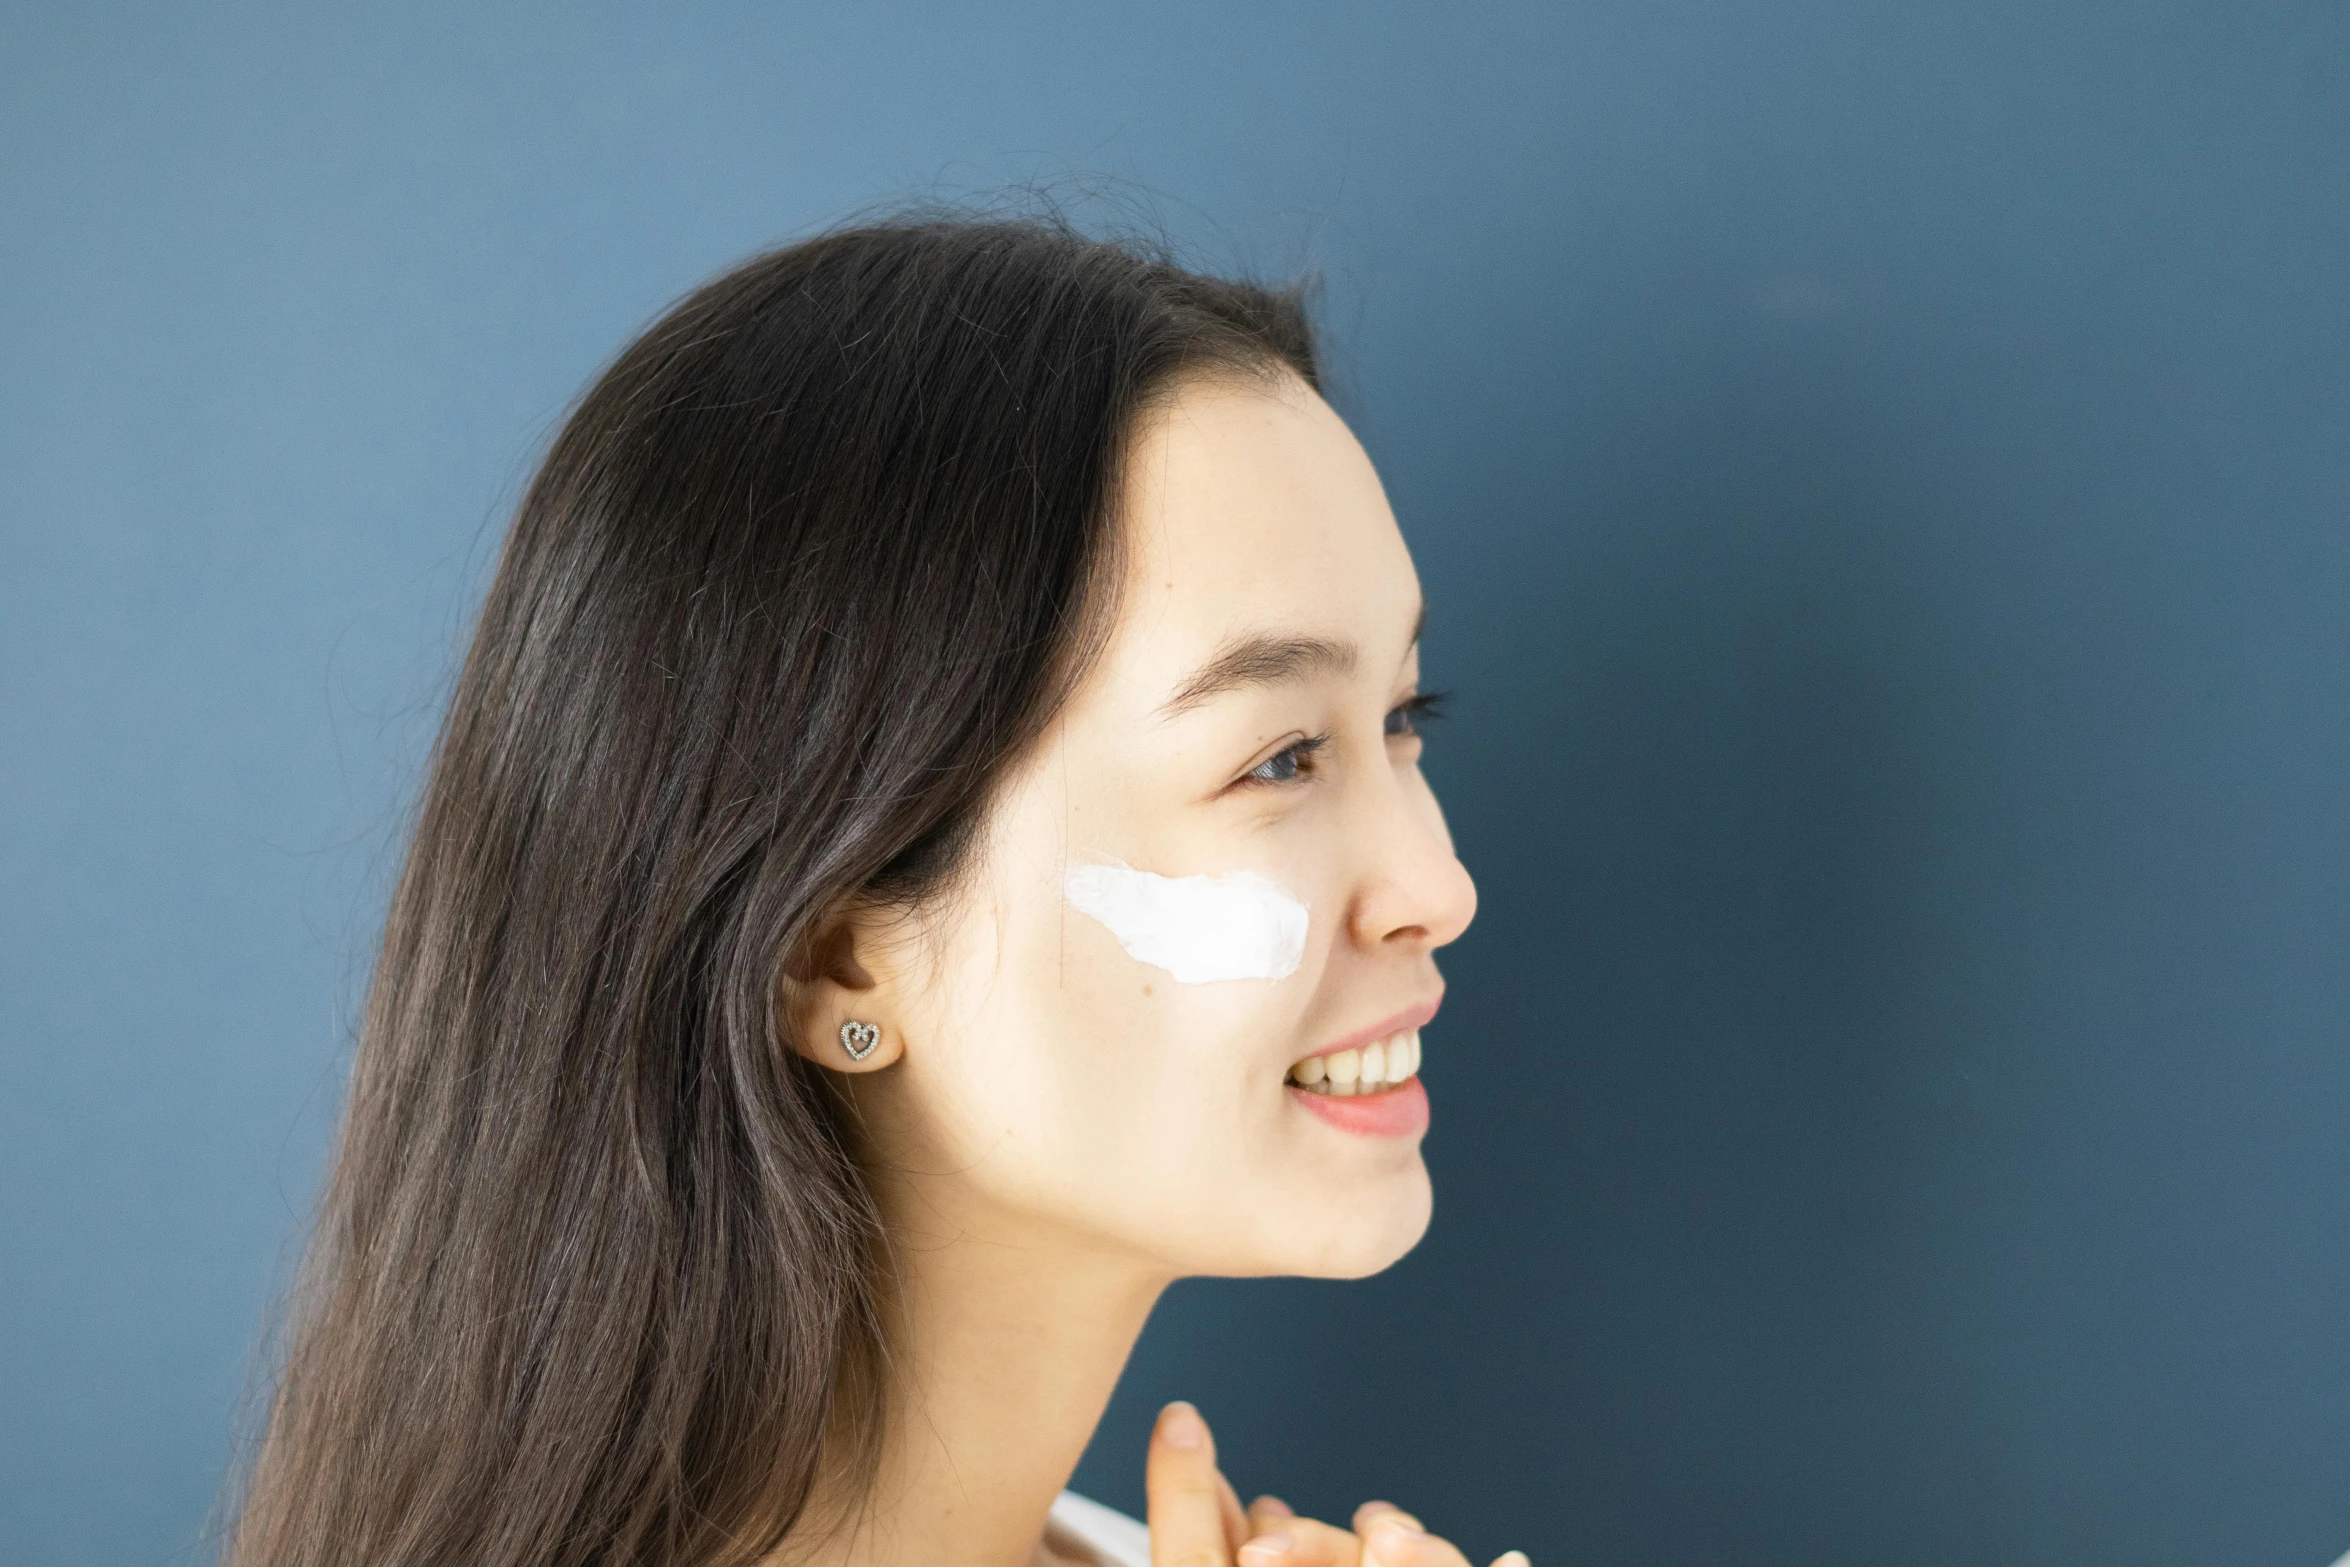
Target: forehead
point(1250, 507)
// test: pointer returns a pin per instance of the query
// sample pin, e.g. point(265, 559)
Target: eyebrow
point(1265, 659)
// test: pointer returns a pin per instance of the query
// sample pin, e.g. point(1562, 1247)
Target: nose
point(1412, 892)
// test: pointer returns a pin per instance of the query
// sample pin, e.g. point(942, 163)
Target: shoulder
point(1103, 1534)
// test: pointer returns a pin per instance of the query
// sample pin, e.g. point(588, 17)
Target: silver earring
point(858, 1039)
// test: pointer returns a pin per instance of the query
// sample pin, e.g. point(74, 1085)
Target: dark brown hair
point(596, 1273)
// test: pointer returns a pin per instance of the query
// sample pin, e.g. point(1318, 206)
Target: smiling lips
point(1373, 1088)
point(1379, 1065)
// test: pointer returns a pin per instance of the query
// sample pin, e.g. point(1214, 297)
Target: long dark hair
point(596, 1274)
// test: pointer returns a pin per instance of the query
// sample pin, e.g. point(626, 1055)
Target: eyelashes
point(1294, 762)
point(1406, 716)
point(1289, 764)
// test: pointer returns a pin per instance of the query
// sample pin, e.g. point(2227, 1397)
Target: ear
point(828, 1003)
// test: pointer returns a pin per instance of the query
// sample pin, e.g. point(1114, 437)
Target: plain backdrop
point(1881, 476)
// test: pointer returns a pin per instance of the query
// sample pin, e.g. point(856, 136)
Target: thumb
point(1186, 1499)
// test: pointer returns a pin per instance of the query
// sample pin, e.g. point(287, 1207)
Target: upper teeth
point(1380, 1064)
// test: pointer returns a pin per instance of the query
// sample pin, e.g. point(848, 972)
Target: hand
point(1196, 1519)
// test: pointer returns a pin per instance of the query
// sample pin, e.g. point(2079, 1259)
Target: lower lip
point(1400, 1111)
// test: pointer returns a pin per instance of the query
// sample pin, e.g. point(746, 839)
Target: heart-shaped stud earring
point(858, 1039)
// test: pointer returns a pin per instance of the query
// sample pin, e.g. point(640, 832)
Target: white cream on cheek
point(1200, 929)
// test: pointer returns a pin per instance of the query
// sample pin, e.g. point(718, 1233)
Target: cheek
point(1068, 1082)
point(1098, 1086)
point(1151, 1072)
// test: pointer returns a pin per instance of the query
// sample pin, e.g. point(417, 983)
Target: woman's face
point(1251, 713)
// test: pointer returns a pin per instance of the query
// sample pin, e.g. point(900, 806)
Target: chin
point(1362, 1238)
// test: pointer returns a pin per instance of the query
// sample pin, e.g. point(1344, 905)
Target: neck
point(1005, 1347)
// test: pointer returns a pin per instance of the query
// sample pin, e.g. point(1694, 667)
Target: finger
point(1512, 1559)
point(1303, 1542)
point(1236, 1529)
point(1372, 1510)
point(1393, 1541)
point(1186, 1511)
point(1267, 1514)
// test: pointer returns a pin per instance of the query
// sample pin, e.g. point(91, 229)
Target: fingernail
point(1181, 1426)
point(1398, 1523)
point(1270, 1545)
point(1512, 1559)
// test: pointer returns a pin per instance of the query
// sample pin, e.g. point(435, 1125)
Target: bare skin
point(1057, 1130)
point(1196, 1520)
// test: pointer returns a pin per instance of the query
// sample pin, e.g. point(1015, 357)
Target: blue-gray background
point(1881, 473)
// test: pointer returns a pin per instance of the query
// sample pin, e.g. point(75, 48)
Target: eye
point(1290, 763)
point(1406, 717)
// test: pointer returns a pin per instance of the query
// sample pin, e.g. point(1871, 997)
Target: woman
point(927, 848)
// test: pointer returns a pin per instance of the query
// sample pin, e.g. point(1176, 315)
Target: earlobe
point(817, 1029)
point(859, 1039)
point(855, 1046)
point(825, 1003)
